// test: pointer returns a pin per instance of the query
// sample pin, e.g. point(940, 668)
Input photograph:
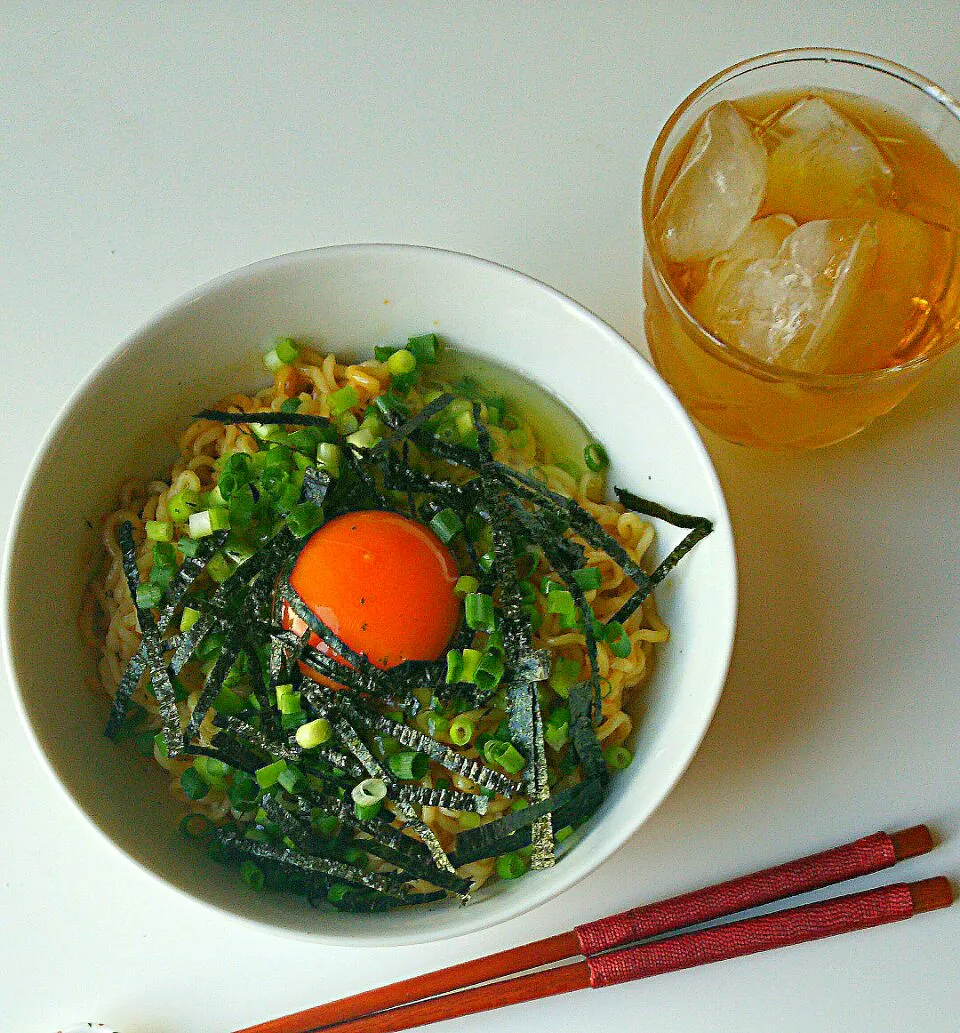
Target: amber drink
point(802, 220)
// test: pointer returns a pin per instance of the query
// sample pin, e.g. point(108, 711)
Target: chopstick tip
point(931, 894)
point(912, 842)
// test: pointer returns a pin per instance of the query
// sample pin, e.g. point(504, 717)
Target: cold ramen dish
point(382, 634)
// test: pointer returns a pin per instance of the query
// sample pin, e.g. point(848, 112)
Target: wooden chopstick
point(735, 939)
point(861, 857)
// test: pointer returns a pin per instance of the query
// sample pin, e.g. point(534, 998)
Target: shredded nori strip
point(159, 678)
point(298, 419)
point(445, 756)
point(292, 860)
point(187, 573)
point(416, 421)
point(350, 738)
point(485, 840)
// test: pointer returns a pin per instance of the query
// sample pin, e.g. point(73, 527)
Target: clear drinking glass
point(754, 401)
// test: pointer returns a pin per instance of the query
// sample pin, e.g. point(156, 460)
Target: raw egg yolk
point(383, 583)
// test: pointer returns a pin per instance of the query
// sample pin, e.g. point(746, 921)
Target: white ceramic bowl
point(122, 422)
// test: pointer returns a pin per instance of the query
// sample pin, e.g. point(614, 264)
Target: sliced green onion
point(344, 399)
point(454, 666)
point(561, 602)
point(461, 731)
point(510, 759)
point(269, 774)
point(595, 456)
point(436, 724)
point(206, 521)
point(368, 797)
point(159, 530)
point(196, 826)
point(618, 757)
point(314, 733)
point(346, 423)
point(489, 671)
point(219, 567)
point(328, 456)
point(290, 703)
point(212, 771)
point(471, 662)
point(304, 518)
point(188, 618)
point(478, 608)
point(252, 875)
point(466, 584)
point(149, 595)
point(511, 866)
point(382, 352)
point(446, 525)
point(409, 765)
point(564, 675)
point(401, 362)
point(618, 640)
point(182, 505)
point(424, 349)
point(228, 702)
point(556, 736)
point(193, 785)
point(286, 349)
point(588, 578)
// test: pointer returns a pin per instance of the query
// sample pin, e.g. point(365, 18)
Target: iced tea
point(802, 266)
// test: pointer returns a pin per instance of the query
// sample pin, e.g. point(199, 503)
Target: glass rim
point(703, 338)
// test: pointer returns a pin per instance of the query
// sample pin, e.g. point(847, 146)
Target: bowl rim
point(473, 921)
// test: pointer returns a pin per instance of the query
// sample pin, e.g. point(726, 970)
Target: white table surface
point(149, 147)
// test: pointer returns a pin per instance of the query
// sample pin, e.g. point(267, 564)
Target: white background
point(148, 147)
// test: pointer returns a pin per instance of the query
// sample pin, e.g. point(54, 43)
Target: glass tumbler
point(754, 401)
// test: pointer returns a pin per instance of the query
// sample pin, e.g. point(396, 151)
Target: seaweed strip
point(349, 737)
point(583, 735)
point(187, 573)
point(368, 903)
point(229, 750)
point(386, 842)
point(451, 799)
point(162, 687)
point(525, 722)
point(239, 728)
point(557, 561)
point(486, 840)
point(699, 528)
point(289, 859)
point(365, 671)
point(316, 485)
point(414, 423)
point(444, 755)
point(259, 590)
point(298, 419)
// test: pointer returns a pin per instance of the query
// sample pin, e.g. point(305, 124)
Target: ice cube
point(822, 166)
point(717, 191)
point(761, 239)
point(786, 309)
